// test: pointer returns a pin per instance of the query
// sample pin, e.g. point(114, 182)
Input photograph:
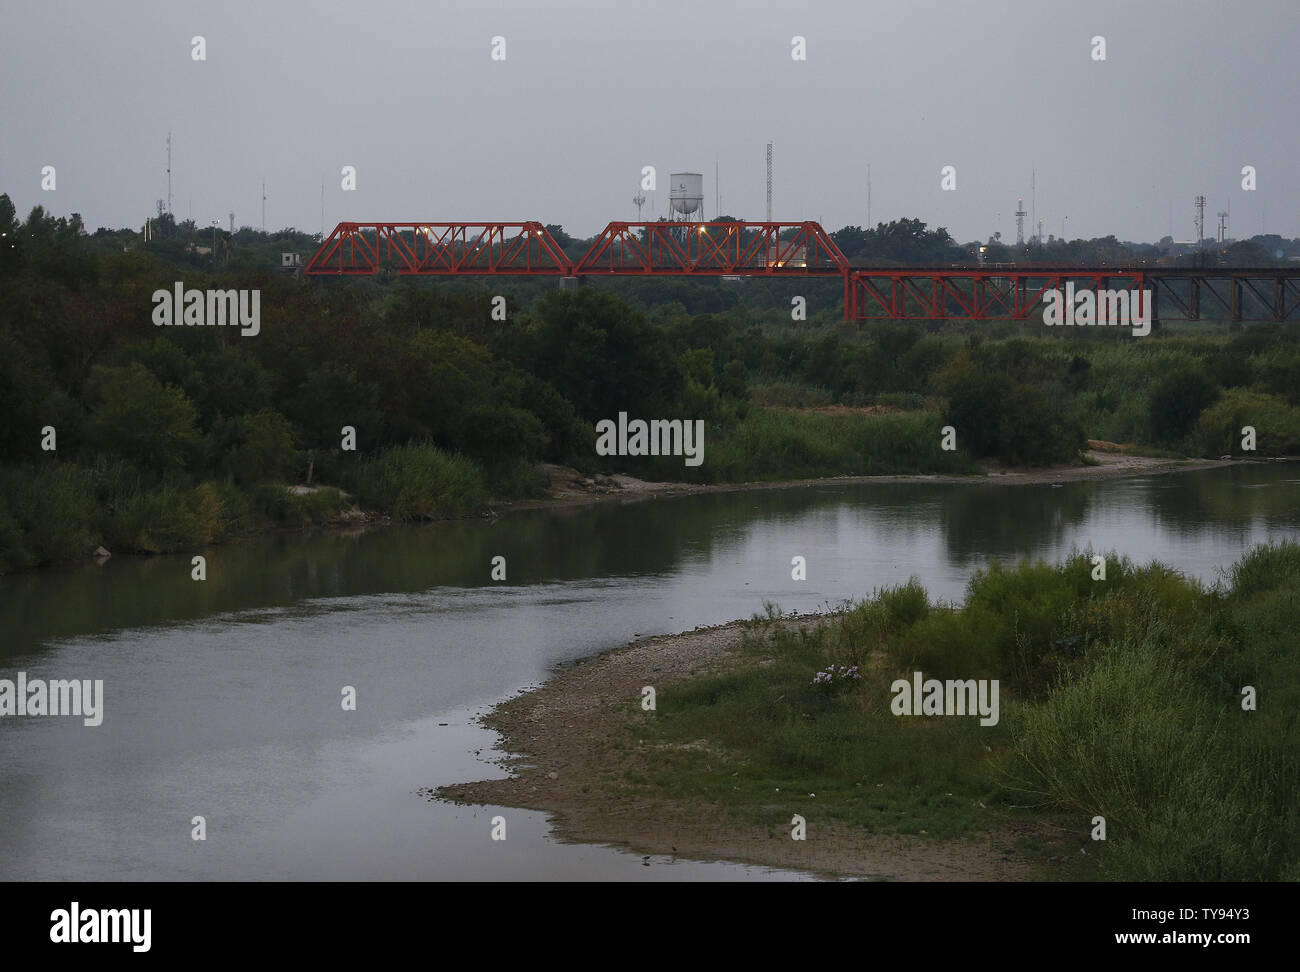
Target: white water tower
point(686, 195)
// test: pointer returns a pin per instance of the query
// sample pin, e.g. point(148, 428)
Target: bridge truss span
point(792, 250)
point(713, 249)
point(440, 249)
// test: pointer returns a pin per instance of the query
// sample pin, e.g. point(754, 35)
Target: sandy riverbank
point(558, 736)
point(564, 764)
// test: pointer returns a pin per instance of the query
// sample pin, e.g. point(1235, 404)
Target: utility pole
point(169, 172)
point(1033, 203)
point(769, 182)
point(869, 223)
point(263, 207)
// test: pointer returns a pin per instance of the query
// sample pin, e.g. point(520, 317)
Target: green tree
point(601, 355)
point(138, 417)
point(10, 241)
point(998, 418)
point(1177, 400)
point(975, 403)
point(266, 453)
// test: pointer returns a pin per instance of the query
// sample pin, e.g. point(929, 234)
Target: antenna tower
point(769, 182)
point(169, 172)
point(1033, 203)
point(869, 223)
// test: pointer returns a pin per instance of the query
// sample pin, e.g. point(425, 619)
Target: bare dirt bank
point(566, 766)
point(560, 736)
point(568, 487)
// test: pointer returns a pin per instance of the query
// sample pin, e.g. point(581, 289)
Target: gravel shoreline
point(558, 737)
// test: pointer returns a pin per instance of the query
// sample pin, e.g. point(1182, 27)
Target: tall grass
point(768, 444)
point(1120, 698)
point(46, 515)
point(1133, 741)
point(63, 511)
point(420, 482)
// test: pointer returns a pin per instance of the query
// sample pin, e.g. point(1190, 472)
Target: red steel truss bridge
point(726, 249)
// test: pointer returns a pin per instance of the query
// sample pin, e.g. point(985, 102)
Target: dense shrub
point(420, 482)
point(1177, 400)
point(1276, 424)
point(997, 418)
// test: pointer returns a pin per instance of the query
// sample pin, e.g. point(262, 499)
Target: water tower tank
point(686, 193)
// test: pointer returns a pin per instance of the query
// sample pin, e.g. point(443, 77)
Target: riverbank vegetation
point(1121, 698)
point(145, 438)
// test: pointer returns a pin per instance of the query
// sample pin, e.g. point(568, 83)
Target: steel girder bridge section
point(974, 294)
point(983, 294)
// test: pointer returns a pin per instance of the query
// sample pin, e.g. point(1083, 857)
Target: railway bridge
point(804, 249)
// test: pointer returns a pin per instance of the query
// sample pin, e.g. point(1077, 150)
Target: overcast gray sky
point(592, 90)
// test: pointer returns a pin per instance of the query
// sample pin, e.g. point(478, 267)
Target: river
point(222, 697)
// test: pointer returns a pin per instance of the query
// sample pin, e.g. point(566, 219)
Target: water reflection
point(222, 697)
